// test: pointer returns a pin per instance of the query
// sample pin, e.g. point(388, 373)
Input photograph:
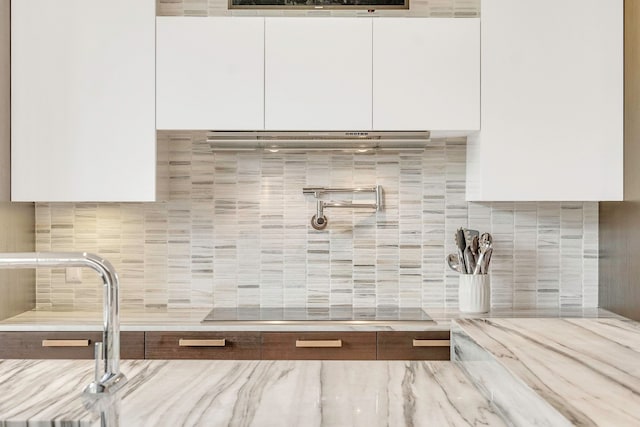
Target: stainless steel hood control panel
point(307, 141)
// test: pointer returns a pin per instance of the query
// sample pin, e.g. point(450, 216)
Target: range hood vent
point(308, 141)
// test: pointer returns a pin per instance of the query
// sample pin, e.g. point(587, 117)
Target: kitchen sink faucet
point(108, 377)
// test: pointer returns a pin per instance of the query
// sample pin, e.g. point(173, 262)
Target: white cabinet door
point(210, 73)
point(318, 73)
point(552, 102)
point(426, 74)
point(83, 100)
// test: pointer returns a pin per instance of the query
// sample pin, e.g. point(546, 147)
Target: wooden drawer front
point(202, 345)
point(65, 345)
point(432, 345)
point(319, 345)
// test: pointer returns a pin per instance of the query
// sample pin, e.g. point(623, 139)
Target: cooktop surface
point(337, 314)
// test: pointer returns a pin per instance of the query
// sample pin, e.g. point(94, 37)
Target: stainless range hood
point(307, 141)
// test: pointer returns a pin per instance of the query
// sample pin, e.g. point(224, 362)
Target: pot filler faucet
point(319, 221)
point(108, 377)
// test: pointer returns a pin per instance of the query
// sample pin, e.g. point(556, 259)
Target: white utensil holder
point(474, 293)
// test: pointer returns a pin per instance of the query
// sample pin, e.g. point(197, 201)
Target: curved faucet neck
point(108, 376)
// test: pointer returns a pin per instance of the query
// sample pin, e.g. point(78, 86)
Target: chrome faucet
point(108, 377)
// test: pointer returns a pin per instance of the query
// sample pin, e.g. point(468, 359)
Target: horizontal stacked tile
point(235, 231)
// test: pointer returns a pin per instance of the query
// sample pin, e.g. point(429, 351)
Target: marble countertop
point(190, 320)
point(505, 371)
point(246, 393)
point(556, 372)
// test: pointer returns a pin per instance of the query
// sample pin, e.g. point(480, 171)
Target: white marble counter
point(190, 320)
point(247, 393)
point(554, 372)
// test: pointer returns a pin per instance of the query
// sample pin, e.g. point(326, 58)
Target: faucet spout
point(109, 378)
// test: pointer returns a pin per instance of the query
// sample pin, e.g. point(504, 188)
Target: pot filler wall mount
point(319, 221)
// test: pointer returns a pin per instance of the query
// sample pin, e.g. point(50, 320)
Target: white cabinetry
point(312, 73)
point(83, 100)
point(210, 73)
point(318, 73)
point(426, 74)
point(552, 102)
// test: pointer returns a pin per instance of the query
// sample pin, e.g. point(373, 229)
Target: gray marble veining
point(583, 372)
point(250, 393)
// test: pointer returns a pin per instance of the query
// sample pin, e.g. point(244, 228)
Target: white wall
point(17, 287)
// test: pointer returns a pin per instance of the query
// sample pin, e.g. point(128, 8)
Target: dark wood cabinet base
point(202, 345)
point(429, 345)
point(387, 345)
point(319, 345)
point(64, 345)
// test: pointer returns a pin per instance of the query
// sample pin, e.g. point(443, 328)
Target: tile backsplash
point(235, 231)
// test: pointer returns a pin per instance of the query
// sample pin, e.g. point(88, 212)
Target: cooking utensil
point(469, 235)
point(461, 244)
point(485, 245)
point(487, 238)
point(469, 260)
point(475, 246)
point(484, 268)
point(454, 263)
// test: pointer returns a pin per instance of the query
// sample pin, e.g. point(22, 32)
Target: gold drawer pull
point(202, 343)
point(65, 343)
point(318, 343)
point(431, 343)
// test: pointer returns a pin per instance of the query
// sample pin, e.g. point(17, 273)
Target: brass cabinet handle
point(318, 343)
point(431, 343)
point(202, 343)
point(65, 343)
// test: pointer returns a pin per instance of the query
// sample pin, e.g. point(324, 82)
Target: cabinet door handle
point(65, 343)
point(318, 343)
point(221, 342)
point(431, 343)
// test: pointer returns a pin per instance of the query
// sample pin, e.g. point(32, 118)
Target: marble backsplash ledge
point(235, 231)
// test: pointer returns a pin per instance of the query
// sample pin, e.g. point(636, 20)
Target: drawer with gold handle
point(64, 344)
point(202, 345)
point(319, 345)
point(419, 345)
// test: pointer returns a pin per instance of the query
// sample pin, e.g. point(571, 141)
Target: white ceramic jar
point(474, 293)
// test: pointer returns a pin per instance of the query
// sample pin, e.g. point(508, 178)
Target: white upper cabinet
point(210, 73)
point(552, 102)
point(426, 74)
point(318, 73)
point(83, 100)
